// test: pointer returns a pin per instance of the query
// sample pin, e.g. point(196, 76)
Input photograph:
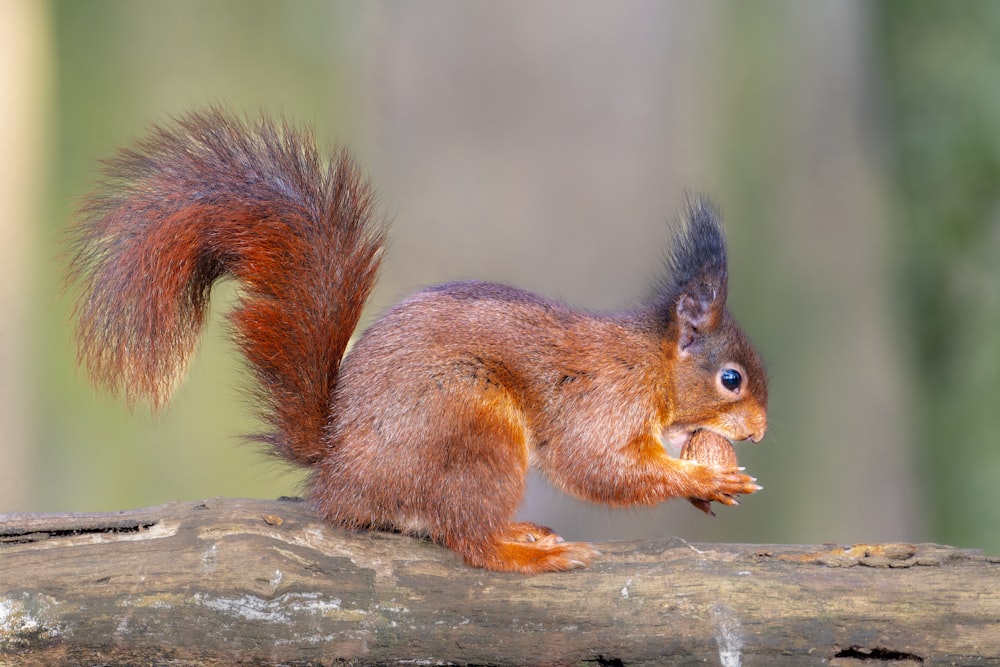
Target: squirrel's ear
point(694, 290)
point(699, 309)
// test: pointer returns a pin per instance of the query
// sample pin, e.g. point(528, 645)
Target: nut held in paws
point(709, 449)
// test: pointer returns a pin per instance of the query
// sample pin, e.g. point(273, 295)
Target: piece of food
point(709, 449)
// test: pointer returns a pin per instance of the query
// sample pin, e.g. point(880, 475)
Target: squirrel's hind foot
point(528, 549)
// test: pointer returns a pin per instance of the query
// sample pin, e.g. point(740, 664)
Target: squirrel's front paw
point(723, 485)
point(716, 460)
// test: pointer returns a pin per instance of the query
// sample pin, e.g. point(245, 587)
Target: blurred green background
point(854, 148)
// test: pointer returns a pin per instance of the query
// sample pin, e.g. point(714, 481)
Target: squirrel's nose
point(757, 427)
point(758, 433)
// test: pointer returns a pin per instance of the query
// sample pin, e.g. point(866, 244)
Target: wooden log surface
point(231, 582)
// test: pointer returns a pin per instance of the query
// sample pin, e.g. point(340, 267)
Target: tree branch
point(227, 581)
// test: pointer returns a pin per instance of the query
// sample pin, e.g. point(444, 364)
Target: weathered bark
point(226, 582)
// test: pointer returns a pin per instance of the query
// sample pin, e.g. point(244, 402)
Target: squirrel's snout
point(758, 428)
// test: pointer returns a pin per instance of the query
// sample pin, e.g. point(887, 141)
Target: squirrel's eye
point(731, 379)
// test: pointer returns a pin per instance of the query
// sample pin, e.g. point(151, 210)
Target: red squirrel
point(429, 423)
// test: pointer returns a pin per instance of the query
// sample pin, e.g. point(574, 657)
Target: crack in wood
point(878, 655)
point(10, 535)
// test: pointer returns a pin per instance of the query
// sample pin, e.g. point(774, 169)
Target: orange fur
point(429, 425)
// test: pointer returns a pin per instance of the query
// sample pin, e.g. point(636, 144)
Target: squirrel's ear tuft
point(692, 294)
point(698, 249)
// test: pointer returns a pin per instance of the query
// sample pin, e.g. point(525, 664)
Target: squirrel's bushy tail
point(210, 196)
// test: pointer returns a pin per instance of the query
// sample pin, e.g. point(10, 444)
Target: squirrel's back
point(480, 341)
